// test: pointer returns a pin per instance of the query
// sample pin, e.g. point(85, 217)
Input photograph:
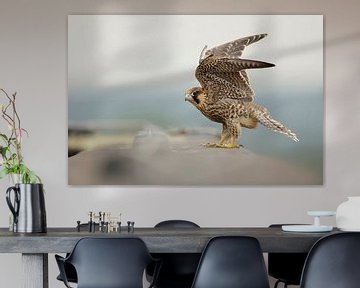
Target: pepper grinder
point(78, 226)
point(90, 221)
point(131, 226)
point(100, 221)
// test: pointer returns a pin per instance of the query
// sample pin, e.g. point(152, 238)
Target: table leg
point(35, 270)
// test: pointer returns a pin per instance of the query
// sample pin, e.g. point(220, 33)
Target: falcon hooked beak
point(193, 95)
point(188, 97)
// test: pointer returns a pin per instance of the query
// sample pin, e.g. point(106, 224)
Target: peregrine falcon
point(225, 95)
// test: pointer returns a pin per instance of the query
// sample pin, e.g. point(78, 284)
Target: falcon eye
point(194, 94)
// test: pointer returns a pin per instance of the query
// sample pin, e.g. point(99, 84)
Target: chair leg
point(279, 281)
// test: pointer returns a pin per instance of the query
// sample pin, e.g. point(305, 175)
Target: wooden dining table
point(35, 247)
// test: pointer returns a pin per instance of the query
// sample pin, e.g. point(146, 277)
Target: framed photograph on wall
point(195, 100)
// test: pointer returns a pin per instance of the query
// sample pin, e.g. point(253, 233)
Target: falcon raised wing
point(233, 49)
point(227, 78)
point(221, 71)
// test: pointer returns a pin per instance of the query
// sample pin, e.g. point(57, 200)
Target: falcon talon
point(227, 146)
point(209, 145)
point(226, 96)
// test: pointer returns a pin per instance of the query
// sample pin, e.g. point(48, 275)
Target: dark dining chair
point(70, 271)
point(286, 267)
point(333, 262)
point(232, 262)
point(108, 263)
point(178, 269)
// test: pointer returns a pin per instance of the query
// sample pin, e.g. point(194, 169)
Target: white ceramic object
point(318, 214)
point(316, 227)
point(348, 214)
point(306, 228)
point(321, 213)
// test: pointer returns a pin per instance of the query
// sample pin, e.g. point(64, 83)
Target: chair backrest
point(333, 262)
point(176, 224)
point(110, 262)
point(232, 262)
point(178, 269)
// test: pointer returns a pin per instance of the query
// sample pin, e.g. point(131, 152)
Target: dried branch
point(11, 155)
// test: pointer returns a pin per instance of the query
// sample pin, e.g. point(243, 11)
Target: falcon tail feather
point(272, 124)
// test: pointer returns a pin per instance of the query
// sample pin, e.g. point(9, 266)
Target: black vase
point(28, 208)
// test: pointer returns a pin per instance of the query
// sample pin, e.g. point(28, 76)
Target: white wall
point(33, 57)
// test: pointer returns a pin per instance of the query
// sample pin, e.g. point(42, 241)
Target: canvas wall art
point(195, 100)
